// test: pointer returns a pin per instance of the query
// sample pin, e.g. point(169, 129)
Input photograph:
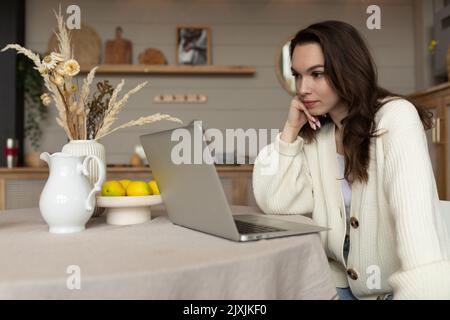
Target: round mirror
point(283, 68)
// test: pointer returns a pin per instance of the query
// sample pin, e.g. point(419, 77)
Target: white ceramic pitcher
point(68, 200)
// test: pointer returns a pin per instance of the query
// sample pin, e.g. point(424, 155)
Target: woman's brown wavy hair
point(351, 71)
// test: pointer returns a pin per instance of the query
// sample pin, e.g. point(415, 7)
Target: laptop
point(193, 193)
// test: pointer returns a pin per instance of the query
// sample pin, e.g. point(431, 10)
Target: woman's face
point(311, 84)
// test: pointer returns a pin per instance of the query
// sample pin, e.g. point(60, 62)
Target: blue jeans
point(345, 294)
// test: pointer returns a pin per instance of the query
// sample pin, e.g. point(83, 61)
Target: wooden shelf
point(170, 69)
point(437, 88)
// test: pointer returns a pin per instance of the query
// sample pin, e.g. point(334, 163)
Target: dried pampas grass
point(57, 69)
point(141, 121)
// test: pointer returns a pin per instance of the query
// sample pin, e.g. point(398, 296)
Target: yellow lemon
point(125, 183)
point(138, 188)
point(154, 187)
point(113, 188)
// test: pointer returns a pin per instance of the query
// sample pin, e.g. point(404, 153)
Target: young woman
point(355, 156)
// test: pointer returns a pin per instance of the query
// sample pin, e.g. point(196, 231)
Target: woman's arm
point(281, 179)
point(411, 191)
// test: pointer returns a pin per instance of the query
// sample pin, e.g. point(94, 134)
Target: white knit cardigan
point(400, 245)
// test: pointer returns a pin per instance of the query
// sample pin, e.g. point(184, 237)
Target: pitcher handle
point(101, 178)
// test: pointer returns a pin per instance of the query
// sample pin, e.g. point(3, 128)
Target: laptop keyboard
point(248, 228)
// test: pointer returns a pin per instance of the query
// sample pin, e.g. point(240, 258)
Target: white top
point(400, 231)
point(346, 189)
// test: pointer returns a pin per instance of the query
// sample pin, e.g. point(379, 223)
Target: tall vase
point(87, 148)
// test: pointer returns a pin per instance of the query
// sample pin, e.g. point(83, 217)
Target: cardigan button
point(354, 222)
point(352, 274)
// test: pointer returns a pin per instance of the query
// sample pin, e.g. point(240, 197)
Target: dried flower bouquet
point(74, 108)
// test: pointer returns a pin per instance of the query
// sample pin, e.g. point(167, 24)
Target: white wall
point(423, 29)
point(243, 33)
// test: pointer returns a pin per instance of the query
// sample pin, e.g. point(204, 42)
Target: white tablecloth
point(155, 260)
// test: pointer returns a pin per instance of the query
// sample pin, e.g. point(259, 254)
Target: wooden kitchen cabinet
point(21, 187)
point(437, 100)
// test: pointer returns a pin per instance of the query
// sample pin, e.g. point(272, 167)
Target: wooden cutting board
point(86, 45)
point(118, 50)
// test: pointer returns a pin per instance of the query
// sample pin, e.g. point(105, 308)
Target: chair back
point(444, 207)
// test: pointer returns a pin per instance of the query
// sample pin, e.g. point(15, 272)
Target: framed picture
point(193, 45)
